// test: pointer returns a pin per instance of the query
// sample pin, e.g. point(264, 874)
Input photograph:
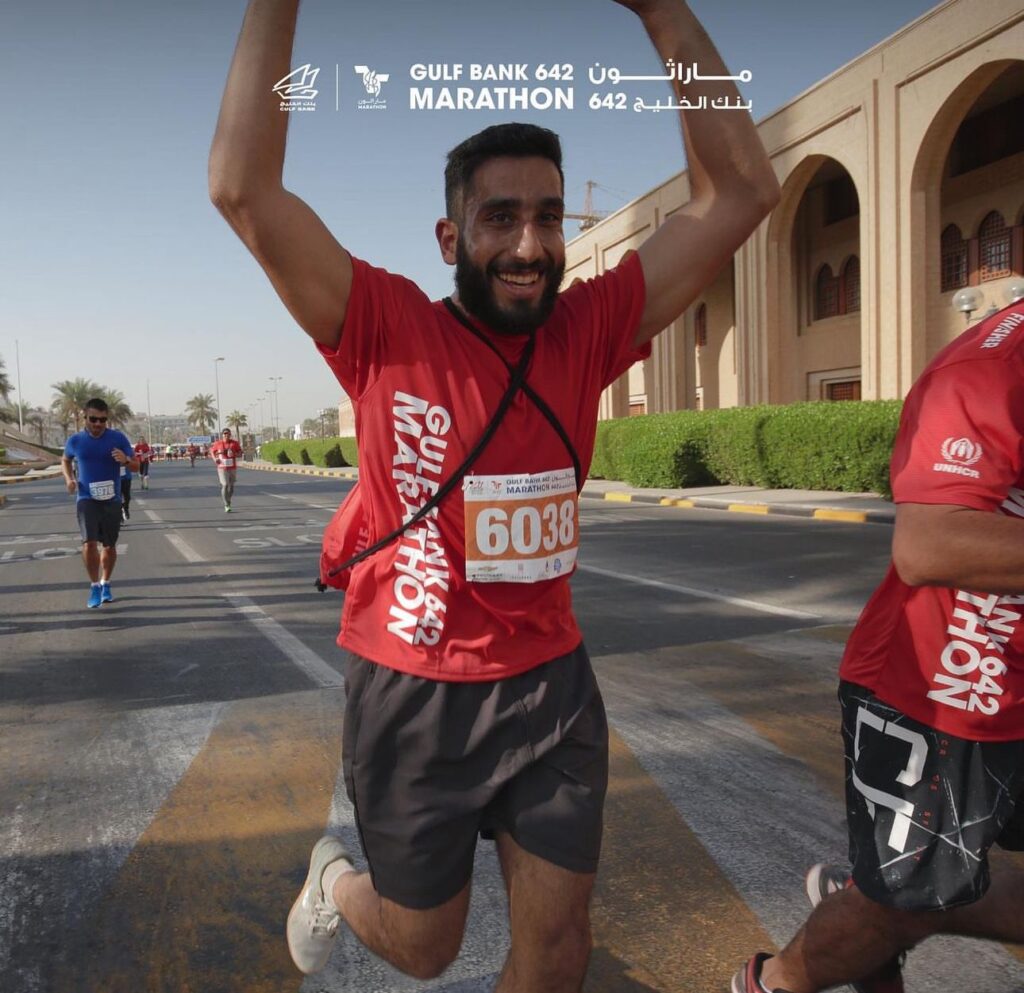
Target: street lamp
point(216, 379)
point(277, 404)
point(967, 301)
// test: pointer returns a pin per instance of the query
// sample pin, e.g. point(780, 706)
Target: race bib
point(522, 528)
point(103, 490)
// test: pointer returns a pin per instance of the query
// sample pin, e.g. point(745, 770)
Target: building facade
point(902, 180)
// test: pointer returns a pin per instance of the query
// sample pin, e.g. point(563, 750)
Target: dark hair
point(96, 403)
point(517, 141)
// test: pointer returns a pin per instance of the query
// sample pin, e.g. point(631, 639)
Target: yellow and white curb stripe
point(301, 470)
point(820, 513)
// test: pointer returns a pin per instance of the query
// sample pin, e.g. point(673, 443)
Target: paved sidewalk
point(819, 504)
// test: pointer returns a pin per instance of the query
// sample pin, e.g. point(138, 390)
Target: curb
point(791, 510)
point(300, 470)
point(693, 503)
point(12, 480)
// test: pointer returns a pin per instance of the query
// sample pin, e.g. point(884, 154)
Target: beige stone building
point(902, 180)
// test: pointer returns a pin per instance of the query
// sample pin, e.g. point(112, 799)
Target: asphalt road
point(167, 761)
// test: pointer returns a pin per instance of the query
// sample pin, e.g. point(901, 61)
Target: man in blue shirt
point(99, 452)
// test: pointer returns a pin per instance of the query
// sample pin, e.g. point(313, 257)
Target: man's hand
point(72, 486)
point(119, 457)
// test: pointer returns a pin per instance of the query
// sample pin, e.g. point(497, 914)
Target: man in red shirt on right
point(932, 691)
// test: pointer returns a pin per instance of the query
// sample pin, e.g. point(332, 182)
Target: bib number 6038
point(528, 529)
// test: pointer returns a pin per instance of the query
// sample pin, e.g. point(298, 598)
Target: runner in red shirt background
point(471, 706)
point(932, 690)
point(144, 454)
point(225, 454)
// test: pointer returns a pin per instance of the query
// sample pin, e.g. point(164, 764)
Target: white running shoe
point(312, 921)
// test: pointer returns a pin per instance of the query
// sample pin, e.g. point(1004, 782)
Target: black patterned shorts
point(923, 807)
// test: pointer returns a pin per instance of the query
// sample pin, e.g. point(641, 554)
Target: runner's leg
point(91, 558)
point(421, 943)
point(108, 559)
point(550, 921)
point(849, 936)
point(229, 487)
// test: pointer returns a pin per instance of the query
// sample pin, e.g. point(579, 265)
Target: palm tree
point(37, 417)
point(237, 420)
point(5, 383)
point(70, 398)
point(202, 414)
point(120, 412)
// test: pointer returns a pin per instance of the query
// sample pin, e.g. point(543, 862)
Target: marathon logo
point(1003, 330)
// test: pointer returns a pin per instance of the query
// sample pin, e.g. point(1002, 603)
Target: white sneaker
point(312, 921)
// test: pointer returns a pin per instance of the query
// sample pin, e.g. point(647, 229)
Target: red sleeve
point(960, 437)
point(374, 316)
point(612, 305)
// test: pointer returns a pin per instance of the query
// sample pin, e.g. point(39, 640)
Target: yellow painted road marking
point(200, 904)
point(619, 497)
point(665, 918)
point(855, 516)
point(749, 508)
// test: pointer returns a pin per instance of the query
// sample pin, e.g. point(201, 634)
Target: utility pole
point(21, 398)
point(216, 379)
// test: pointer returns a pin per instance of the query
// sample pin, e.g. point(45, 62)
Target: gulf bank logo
point(961, 451)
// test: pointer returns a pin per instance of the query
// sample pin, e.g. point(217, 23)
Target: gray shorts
point(431, 765)
point(924, 807)
point(99, 520)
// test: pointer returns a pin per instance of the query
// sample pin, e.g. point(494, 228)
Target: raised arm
point(732, 184)
point(311, 272)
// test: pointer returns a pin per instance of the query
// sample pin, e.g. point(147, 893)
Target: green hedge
point(316, 448)
point(820, 446)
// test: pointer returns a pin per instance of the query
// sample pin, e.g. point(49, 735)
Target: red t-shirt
point(143, 452)
point(954, 659)
point(225, 453)
point(424, 389)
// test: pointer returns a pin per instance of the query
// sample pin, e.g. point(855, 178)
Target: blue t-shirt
point(99, 475)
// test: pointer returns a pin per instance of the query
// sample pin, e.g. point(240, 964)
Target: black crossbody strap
point(515, 385)
point(536, 399)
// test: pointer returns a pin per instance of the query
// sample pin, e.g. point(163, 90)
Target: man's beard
point(476, 294)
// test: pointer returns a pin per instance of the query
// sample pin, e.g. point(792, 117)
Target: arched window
point(994, 247)
point(700, 326)
point(851, 286)
point(826, 294)
point(954, 259)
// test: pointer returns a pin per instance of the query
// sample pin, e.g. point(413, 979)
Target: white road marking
point(305, 503)
point(765, 608)
point(298, 653)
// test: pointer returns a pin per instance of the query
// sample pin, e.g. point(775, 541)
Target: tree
point(202, 414)
point(38, 417)
point(70, 398)
point(237, 420)
point(120, 412)
point(5, 384)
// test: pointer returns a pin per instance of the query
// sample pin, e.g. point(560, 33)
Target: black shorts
point(429, 765)
point(100, 520)
point(924, 807)
point(143, 468)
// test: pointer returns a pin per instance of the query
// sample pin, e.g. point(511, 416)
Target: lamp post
point(21, 396)
point(277, 404)
point(216, 379)
point(967, 301)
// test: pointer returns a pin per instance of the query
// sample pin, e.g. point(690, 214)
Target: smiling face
point(508, 250)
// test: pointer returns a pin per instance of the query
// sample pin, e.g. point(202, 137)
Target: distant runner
point(225, 454)
point(99, 453)
point(126, 493)
point(193, 452)
point(145, 455)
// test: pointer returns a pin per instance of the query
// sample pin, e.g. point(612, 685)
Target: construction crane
point(589, 217)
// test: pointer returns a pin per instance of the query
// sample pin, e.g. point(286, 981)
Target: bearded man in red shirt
point(471, 704)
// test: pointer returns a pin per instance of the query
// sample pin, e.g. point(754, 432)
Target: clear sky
point(115, 266)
